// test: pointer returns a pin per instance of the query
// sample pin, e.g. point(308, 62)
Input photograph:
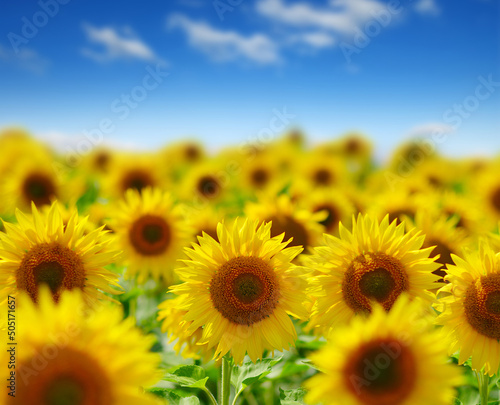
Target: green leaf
point(309, 363)
point(293, 369)
point(292, 397)
point(249, 372)
point(188, 376)
point(173, 397)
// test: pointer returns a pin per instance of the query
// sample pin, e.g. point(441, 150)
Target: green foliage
point(292, 397)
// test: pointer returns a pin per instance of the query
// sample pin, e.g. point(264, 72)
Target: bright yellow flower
point(151, 230)
point(376, 262)
point(471, 308)
point(70, 353)
point(241, 290)
point(42, 249)
point(394, 358)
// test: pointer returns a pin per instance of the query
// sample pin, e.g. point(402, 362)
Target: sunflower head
point(470, 311)
point(55, 365)
point(240, 290)
point(394, 357)
point(151, 230)
point(43, 249)
point(373, 263)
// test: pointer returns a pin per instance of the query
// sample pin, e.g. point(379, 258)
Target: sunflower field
point(265, 273)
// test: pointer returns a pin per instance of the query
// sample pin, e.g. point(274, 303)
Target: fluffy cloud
point(221, 45)
point(116, 45)
point(341, 16)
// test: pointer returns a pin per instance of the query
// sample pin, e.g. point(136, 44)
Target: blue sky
point(389, 69)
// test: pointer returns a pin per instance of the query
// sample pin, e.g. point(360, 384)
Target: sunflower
point(132, 171)
point(394, 357)
point(41, 249)
point(374, 262)
point(99, 161)
point(298, 223)
point(151, 230)
point(183, 153)
point(241, 290)
point(333, 201)
point(206, 184)
point(34, 180)
point(465, 208)
point(204, 219)
point(75, 355)
point(442, 234)
point(323, 171)
point(399, 204)
point(471, 313)
point(487, 187)
point(259, 173)
point(177, 329)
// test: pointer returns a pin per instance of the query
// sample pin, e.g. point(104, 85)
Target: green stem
point(483, 385)
point(213, 401)
point(226, 380)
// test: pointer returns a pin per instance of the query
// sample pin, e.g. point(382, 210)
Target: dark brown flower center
point(192, 153)
point(150, 235)
point(70, 377)
point(208, 186)
point(52, 264)
point(292, 229)
point(373, 276)
point(482, 305)
point(260, 177)
point(245, 290)
point(137, 179)
point(381, 372)
point(323, 177)
point(102, 160)
point(495, 199)
point(353, 146)
point(332, 219)
point(445, 256)
point(38, 188)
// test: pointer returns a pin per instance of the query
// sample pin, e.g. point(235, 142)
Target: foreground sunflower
point(80, 356)
point(43, 249)
point(376, 262)
point(241, 290)
point(151, 231)
point(471, 309)
point(394, 358)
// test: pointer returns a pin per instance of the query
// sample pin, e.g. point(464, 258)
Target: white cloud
point(342, 16)
point(116, 45)
point(427, 7)
point(63, 142)
point(428, 129)
point(316, 39)
point(25, 59)
point(226, 45)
